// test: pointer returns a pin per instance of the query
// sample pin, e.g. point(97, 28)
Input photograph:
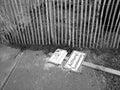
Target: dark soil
point(111, 59)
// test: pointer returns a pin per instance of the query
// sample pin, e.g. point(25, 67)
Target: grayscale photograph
point(59, 44)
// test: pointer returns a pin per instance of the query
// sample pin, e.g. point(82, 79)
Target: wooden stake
point(98, 67)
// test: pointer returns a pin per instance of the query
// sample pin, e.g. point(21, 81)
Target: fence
point(76, 23)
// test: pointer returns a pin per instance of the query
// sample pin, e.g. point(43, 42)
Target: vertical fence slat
point(69, 41)
point(93, 21)
point(55, 33)
point(48, 27)
point(100, 26)
point(85, 19)
point(77, 26)
point(81, 21)
point(51, 20)
point(66, 22)
point(58, 22)
point(61, 4)
point(88, 28)
point(44, 18)
point(73, 26)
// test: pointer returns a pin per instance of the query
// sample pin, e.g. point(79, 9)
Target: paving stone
point(7, 60)
point(33, 73)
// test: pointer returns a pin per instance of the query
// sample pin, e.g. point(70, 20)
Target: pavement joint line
point(19, 54)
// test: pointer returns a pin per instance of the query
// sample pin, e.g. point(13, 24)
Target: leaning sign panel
point(58, 56)
point(75, 61)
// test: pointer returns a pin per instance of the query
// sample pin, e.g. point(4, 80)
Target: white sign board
point(75, 60)
point(58, 56)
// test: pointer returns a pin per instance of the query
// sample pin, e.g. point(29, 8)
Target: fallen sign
point(79, 61)
point(58, 56)
point(76, 60)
